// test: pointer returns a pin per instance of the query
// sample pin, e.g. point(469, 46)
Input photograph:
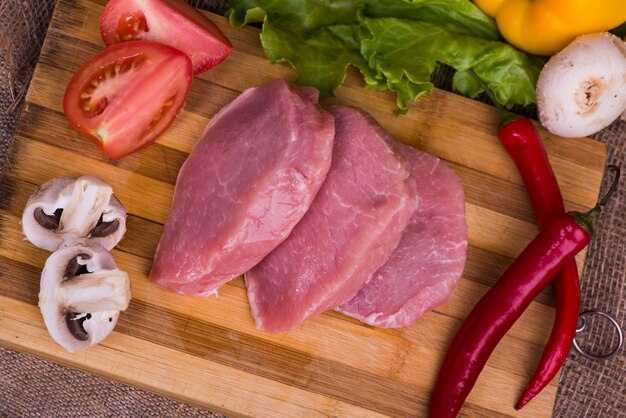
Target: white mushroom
point(582, 89)
point(81, 295)
point(64, 210)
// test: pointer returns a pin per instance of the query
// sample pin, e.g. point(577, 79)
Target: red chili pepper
point(523, 143)
point(505, 302)
point(559, 240)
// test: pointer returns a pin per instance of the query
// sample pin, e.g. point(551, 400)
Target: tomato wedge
point(127, 95)
point(170, 22)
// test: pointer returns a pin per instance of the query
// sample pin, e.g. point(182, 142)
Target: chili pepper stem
point(505, 116)
point(585, 219)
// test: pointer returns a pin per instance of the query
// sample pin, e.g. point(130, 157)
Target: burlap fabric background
point(33, 387)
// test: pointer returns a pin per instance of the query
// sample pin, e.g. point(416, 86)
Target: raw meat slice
point(244, 187)
point(429, 260)
point(350, 230)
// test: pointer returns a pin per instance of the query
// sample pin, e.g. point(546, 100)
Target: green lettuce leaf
point(457, 16)
point(320, 39)
point(396, 44)
point(404, 53)
point(320, 58)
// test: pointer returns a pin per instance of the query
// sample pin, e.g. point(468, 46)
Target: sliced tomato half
point(127, 95)
point(170, 22)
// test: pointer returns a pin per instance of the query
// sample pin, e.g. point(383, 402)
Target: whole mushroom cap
point(582, 89)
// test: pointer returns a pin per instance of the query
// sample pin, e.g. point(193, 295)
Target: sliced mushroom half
point(69, 211)
point(81, 295)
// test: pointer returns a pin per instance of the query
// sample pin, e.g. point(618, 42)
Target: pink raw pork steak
point(350, 230)
point(244, 187)
point(430, 258)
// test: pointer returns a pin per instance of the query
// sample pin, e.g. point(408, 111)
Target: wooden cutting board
point(207, 351)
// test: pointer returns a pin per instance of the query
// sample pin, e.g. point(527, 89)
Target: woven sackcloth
point(30, 386)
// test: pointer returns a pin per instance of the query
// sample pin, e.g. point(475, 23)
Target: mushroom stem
point(95, 292)
point(88, 197)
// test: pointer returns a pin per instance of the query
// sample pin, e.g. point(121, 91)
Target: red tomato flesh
point(127, 95)
point(170, 22)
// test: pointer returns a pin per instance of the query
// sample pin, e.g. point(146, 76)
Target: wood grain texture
point(207, 351)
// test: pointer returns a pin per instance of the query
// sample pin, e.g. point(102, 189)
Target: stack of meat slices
point(320, 209)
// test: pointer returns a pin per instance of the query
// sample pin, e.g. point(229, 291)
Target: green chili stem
point(586, 219)
point(504, 114)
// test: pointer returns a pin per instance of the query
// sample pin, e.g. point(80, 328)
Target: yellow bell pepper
point(544, 27)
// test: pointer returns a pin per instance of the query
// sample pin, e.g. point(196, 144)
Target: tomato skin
point(170, 22)
point(127, 95)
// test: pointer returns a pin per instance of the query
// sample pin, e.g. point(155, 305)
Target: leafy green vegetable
point(456, 16)
point(396, 44)
point(319, 38)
